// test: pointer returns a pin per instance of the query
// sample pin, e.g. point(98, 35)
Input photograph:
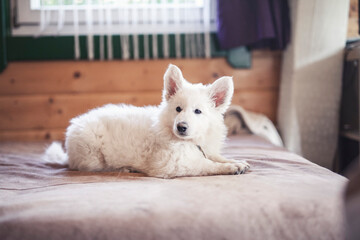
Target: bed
point(284, 196)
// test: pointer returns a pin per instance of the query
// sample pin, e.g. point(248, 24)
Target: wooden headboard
point(37, 99)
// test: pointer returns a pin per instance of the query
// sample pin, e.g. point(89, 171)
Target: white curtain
point(195, 18)
point(311, 79)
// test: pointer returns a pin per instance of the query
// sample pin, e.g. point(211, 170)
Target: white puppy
point(180, 137)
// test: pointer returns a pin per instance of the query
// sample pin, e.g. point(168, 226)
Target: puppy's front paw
point(230, 168)
point(242, 166)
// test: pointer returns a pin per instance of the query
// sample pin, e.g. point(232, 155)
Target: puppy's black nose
point(181, 127)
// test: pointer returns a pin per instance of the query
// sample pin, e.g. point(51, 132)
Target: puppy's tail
point(55, 154)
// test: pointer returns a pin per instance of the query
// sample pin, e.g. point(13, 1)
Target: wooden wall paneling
point(33, 135)
point(55, 111)
point(123, 76)
point(37, 99)
point(261, 101)
point(47, 112)
point(353, 21)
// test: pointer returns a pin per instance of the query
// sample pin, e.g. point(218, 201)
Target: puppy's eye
point(178, 109)
point(197, 111)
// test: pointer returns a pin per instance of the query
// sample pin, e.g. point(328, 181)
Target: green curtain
point(3, 32)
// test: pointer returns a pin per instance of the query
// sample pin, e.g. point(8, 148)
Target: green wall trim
point(62, 47)
point(3, 33)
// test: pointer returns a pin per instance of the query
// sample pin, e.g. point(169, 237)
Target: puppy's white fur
point(147, 139)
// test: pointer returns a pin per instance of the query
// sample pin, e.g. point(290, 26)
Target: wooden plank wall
point(353, 25)
point(37, 99)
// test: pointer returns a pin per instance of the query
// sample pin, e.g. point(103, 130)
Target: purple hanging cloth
point(253, 23)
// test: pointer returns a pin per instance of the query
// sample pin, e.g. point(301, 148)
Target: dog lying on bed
point(180, 137)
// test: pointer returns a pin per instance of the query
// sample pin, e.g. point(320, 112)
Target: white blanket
point(238, 120)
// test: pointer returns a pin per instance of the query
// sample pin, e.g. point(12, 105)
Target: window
point(182, 25)
point(61, 17)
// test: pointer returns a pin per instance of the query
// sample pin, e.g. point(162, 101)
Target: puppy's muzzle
point(182, 127)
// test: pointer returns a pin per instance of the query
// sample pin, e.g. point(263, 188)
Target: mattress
point(283, 196)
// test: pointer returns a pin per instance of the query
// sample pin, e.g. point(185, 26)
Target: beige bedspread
point(283, 197)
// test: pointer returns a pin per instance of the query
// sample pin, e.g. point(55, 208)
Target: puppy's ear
point(173, 81)
point(221, 92)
